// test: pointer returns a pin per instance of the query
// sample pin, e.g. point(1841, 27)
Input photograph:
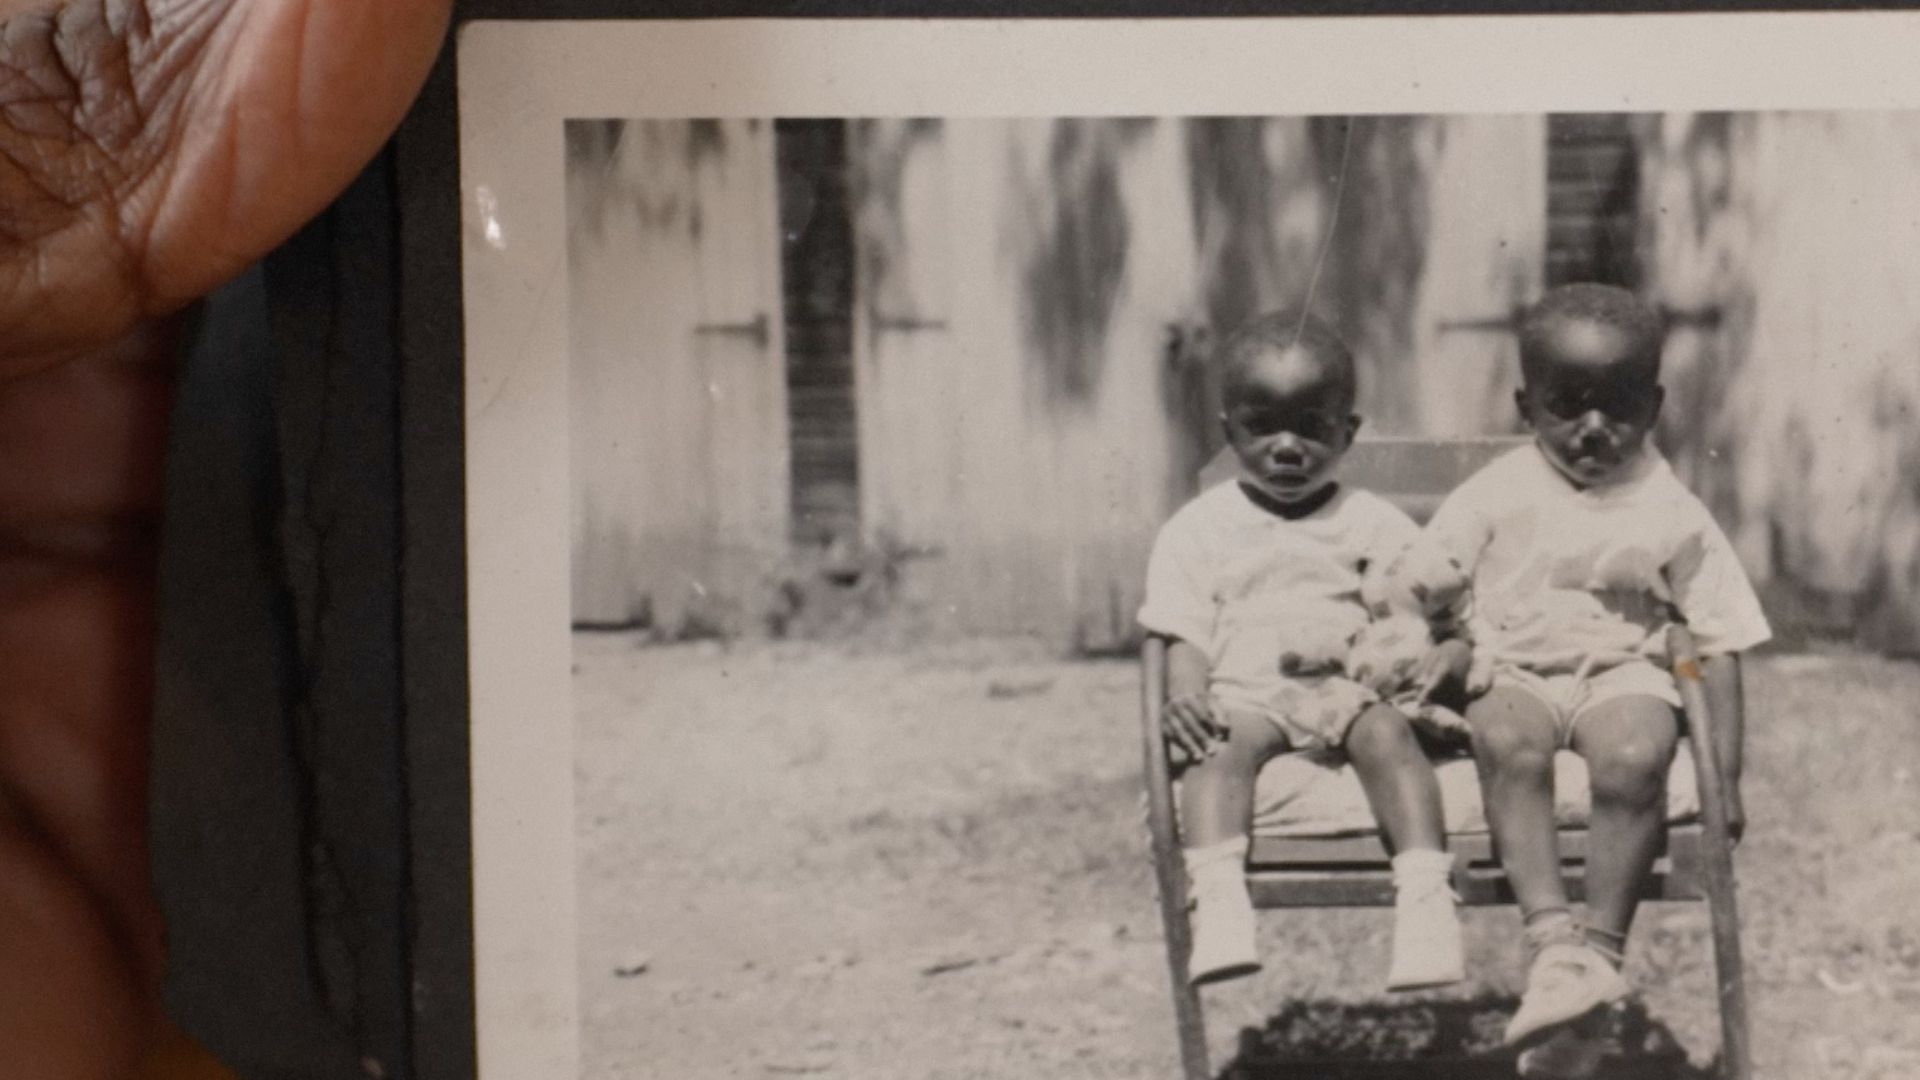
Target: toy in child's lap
point(1415, 600)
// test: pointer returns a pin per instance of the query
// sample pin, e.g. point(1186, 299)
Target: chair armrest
point(1153, 700)
point(1708, 768)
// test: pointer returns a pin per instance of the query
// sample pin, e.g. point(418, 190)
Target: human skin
point(1288, 415)
point(1592, 397)
point(149, 151)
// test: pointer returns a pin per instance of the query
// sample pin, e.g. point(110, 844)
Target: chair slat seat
point(1352, 871)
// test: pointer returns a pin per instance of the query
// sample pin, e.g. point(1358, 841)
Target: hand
point(1447, 661)
point(1441, 723)
point(1193, 726)
point(149, 150)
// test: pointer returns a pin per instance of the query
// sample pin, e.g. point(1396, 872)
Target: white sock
point(1427, 948)
point(1420, 864)
point(1223, 863)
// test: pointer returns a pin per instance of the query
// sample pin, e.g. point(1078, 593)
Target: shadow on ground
point(1432, 1040)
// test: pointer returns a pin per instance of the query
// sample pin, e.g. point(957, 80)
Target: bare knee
point(1628, 744)
point(1513, 741)
point(1380, 735)
point(1631, 770)
point(1250, 743)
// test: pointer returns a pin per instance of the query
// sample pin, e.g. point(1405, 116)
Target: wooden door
point(679, 431)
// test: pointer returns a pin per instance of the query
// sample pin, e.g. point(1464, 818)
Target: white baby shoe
point(1566, 983)
point(1427, 946)
point(1220, 914)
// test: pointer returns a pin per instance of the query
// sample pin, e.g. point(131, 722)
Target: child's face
point(1591, 398)
point(1289, 418)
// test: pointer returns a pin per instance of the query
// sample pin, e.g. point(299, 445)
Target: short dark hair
point(1608, 305)
point(1285, 331)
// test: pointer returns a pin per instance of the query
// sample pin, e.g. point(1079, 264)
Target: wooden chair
point(1349, 871)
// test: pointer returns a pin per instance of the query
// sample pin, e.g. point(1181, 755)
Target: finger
point(150, 151)
point(1428, 684)
point(174, 1055)
point(1201, 734)
point(79, 508)
point(1196, 744)
point(1211, 740)
point(75, 694)
point(1177, 734)
point(68, 1005)
point(83, 441)
point(295, 136)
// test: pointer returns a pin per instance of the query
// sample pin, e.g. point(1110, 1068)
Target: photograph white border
point(520, 80)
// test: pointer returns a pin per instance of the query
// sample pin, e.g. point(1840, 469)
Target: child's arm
point(1721, 678)
point(1192, 724)
point(1719, 607)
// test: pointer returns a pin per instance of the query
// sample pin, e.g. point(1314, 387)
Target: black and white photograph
point(1245, 587)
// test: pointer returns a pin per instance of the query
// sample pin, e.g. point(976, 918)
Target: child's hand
point(1440, 723)
point(1479, 675)
point(1449, 660)
point(1193, 725)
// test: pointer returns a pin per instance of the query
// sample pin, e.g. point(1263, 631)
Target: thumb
point(151, 149)
point(1429, 681)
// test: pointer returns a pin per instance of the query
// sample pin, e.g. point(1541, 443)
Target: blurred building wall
point(1017, 285)
point(1033, 303)
point(1794, 414)
point(679, 433)
point(1034, 299)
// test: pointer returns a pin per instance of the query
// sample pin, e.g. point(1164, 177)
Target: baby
point(1583, 548)
point(1268, 566)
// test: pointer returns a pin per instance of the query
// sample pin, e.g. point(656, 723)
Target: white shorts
point(1314, 712)
point(1569, 696)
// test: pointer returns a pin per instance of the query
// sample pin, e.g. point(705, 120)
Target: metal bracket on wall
point(905, 324)
point(757, 328)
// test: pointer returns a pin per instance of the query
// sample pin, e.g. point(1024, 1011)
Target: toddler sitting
point(1270, 565)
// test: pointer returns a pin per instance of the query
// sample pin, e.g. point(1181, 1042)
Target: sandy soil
point(830, 860)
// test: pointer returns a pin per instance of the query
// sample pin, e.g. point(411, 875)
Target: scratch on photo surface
point(1333, 223)
point(547, 282)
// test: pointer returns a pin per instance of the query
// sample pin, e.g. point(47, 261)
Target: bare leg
point(1216, 795)
point(1628, 743)
point(1514, 740)
point(1405, 796)
point(1398, 778)
point(1216, 807)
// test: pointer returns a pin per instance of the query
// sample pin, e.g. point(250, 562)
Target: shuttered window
point(816, 262)
point(1593, 199)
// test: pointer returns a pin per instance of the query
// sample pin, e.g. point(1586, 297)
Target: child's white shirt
point(1246, 585)
point(1568, 579)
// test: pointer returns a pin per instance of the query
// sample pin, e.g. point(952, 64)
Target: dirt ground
point(847, 861)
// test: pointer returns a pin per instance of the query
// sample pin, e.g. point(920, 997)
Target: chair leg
point(1716, 858)
point(1736, 1061)
point(1187, 1015)
point(1170, 877)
